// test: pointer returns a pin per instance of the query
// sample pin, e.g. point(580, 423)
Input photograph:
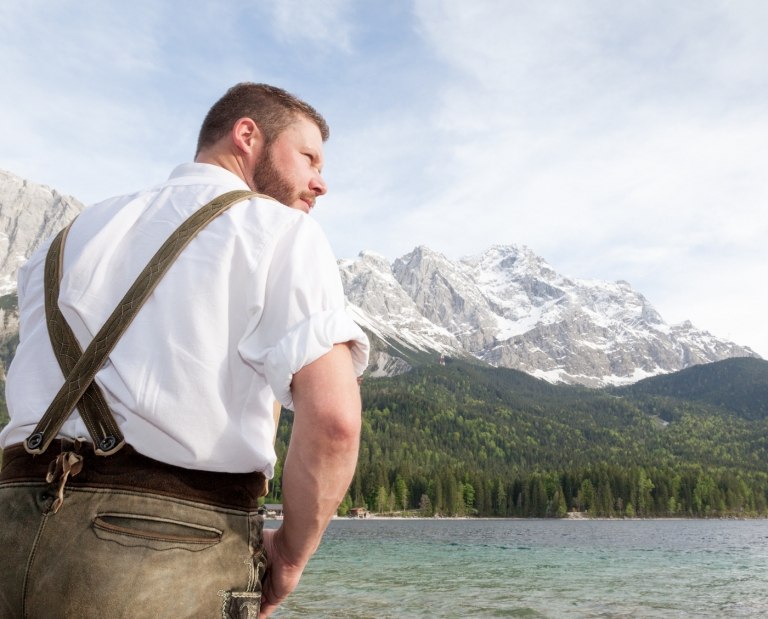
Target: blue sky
point(618, 140)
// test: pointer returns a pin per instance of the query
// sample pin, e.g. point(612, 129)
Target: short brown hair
point(271, 108)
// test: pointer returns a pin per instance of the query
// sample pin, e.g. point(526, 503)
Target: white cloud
point(612, 138)
point(324, 23)
point(620, 140)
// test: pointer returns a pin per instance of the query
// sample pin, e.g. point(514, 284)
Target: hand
point(281, 576)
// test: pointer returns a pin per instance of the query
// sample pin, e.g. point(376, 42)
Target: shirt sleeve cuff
point(307, 342)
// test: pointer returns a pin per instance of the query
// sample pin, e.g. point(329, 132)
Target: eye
point(313, 160)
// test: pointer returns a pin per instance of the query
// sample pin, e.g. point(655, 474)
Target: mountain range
point(508, 308)
point(505, 307)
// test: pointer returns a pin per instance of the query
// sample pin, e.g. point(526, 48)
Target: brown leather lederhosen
point(84, 464)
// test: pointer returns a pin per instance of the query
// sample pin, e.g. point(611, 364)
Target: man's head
point(271, 139)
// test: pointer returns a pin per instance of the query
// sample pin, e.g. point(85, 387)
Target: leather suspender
point(80, 368)
point(101, 424)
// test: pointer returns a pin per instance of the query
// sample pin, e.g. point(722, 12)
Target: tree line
point(464, 440)
point(603, 490)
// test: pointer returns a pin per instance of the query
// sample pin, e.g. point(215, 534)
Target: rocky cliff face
point(506, 306)
point(509, 308)
point(29, 214)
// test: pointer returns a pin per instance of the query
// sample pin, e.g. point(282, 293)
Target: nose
point(317, 185)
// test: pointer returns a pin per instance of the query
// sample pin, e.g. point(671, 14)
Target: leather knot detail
point(66, 463)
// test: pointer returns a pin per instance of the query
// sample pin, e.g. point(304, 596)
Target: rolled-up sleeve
point(304, 311)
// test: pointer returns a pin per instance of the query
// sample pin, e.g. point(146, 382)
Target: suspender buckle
point(33, 442)
point(109, 445)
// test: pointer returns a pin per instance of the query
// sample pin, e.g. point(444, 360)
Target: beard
point(268, 180)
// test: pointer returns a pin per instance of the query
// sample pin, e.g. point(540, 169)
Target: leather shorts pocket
point(154, 532)
point(241, 605)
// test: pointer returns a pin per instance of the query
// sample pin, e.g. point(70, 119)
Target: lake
point(551, 569)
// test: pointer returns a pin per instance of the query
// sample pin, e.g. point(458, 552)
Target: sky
point(617, 140)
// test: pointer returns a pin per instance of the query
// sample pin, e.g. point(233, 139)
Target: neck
point(234, 164)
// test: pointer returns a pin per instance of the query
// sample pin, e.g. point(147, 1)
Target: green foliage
point(4, 419)
point(465, 439)
point(739, 386)
point(9, 302)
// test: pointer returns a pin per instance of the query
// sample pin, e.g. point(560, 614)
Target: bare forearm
point(318, 468)
point(322, 454)
point(314, 483)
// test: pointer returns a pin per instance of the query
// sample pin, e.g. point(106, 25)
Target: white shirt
point(255, 297)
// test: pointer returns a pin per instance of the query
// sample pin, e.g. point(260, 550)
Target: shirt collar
point(194, 173)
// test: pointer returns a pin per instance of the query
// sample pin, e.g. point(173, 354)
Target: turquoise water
point(536, 569)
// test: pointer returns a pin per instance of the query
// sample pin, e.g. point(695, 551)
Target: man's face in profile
point(290, 168)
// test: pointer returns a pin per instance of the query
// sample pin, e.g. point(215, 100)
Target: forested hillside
point(465, 439)
point(737, 385)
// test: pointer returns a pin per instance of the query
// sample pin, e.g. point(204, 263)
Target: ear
point(247, 137)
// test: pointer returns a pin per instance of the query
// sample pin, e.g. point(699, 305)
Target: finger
point(269, 601)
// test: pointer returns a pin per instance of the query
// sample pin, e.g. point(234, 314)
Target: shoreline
point(569, 518)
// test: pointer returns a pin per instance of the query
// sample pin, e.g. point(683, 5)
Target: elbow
point(340, 427)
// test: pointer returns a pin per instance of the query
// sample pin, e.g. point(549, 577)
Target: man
point(252, 310)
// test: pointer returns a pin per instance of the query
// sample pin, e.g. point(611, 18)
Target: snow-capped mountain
point(29, 214)
point(506, 307)
point(509, 308)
